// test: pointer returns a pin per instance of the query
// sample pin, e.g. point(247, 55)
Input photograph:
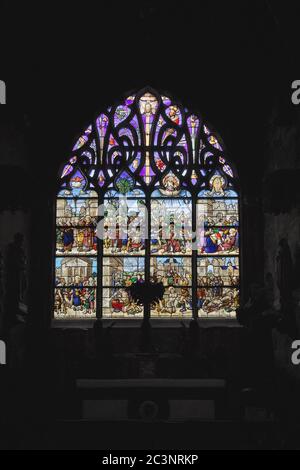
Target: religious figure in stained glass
point(217, 188)
point(148, 194)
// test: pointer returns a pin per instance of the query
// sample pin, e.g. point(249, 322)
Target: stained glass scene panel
point(80, 212)
point(213, 271)
point(218, 241)
point(171, 271)
point(74, 302)
point(117, 303)
point(76, 241)
point(217, 212)
point(217, 301)
point(176, 303)
point(171, 226)
point(218, 186)
point(76, 272)
point(124, 227)
point(123, 271)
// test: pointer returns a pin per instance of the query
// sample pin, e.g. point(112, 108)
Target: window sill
point(155, 323)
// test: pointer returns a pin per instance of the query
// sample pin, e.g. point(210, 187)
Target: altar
point(152, 399)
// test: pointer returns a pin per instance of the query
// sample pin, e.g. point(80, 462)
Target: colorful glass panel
point(124, 227)
point(176, 303)
point(217, 301)
point(123, 271)
point(171, 229)
point(172, 271)
point(75, 303)
point(212, 271)
point(117, 303)
point(76, 212)
point(76, 241)
point(159, 170)
point(79, 271)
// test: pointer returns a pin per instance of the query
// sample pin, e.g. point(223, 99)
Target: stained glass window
point(76, 249)
point(218, 249)
point(148, 195)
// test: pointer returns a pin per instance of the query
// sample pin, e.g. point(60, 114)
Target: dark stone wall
point(281, 191)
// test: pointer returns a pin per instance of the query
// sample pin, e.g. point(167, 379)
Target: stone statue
point(286, 284)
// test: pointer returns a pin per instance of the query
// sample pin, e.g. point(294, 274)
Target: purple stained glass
point(194, 178)
point(114, 156)
point(135, 123)
point(112, 142)
point(207, 155)
point(179, 154)
point(87, 154)
point(122, 112)
point(125, 132)
point(214, 142)
point(83, 139)
point(228, 170)
point(67, 170)
point(147, 170)
point(102, 123)
point(129, 100)
point(101, 179)
point(136, 163)
point(169, 133)
point(183, 142)
point(166, 101)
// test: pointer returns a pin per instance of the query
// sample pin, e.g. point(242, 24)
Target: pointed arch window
point(148, 195)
